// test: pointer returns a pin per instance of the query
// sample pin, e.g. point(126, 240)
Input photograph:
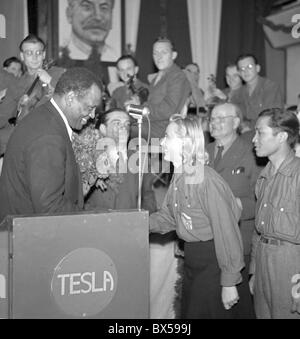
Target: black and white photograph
point(150, 162)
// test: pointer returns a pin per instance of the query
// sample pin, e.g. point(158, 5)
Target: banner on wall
point(13, 27)
point(283, 28)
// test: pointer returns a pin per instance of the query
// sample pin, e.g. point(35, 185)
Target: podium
point(75, 266)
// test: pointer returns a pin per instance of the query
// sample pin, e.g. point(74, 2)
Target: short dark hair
point(9, 61)
point(167, 40)
point(77, 80)
point(282, 120)
point(247, 55)
point(127, 57)
point(32, 39)
point(193, 64)
point(103, 118)
point(230, 65)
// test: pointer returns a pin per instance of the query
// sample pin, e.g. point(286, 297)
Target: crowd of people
point(238, 220)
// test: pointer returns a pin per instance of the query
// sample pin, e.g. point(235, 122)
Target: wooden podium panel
point(79, 266)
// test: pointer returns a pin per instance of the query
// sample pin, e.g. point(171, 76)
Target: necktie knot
point(95, 55)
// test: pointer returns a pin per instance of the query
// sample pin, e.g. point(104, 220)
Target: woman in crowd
point(200, 206)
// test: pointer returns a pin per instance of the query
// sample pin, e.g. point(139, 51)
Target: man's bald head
point(225, 121)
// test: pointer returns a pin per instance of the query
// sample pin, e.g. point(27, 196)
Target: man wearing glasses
point(23, 97)
point(232, 157)
point(33, 55)
point(258, 93)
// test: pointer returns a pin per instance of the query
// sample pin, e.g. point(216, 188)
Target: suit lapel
point(63, 129)
point(232, 156)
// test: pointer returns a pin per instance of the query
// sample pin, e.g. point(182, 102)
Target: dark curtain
point(160, 18)
point(241, 33)
point(32, 8)
point(43, 21)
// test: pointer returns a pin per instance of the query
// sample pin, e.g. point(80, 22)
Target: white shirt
point(79, 50)
point(69, 129)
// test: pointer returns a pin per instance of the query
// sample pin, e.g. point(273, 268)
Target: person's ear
point(258, 68)
point(236, 123)
point(69, 14)
point(22, 56)
point(102, 129)
point(136, 69)
point(283, 137)
point(69, 98)
point(174, 55)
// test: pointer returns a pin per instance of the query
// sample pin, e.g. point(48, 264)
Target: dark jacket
point(238, 168)
point(40, 173)
point(166, 98)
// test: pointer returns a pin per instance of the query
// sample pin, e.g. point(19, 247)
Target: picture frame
point(86, 24)
point(53, 27)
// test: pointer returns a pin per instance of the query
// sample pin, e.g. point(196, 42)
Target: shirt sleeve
point(224, 213)
point(162, 221)
point(45, 172)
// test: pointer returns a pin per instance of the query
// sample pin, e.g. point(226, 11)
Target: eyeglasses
point(248, 67)
point(31, 53)
point(120, 125)
point(221, 119)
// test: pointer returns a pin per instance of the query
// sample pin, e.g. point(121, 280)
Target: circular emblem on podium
point(84, 282)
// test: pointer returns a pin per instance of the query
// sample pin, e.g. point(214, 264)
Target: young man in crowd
point(258, 93)
point(275, 263)
point(132, 86)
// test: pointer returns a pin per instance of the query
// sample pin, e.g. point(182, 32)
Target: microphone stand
point(139, 119)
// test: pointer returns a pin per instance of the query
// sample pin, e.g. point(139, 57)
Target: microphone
point(137, 111)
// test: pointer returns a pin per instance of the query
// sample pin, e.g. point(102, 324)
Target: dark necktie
point(218, 156)
point(95, 55)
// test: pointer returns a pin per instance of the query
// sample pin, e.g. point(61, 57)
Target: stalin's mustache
point(95, 24)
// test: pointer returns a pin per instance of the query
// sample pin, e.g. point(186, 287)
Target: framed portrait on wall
point(86, 26)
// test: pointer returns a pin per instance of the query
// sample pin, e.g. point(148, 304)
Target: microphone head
point(138, 110)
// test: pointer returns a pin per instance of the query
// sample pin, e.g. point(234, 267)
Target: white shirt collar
point(80, 51)
point(69, 129)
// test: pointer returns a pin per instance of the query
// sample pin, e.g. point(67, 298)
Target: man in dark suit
point(40, 174)
point(233, 158)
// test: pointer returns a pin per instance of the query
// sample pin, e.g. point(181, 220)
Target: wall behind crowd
point(211, 33)
point(13, 26)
